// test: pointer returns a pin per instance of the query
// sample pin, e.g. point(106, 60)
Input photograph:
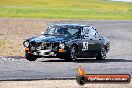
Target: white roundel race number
point(85, 46)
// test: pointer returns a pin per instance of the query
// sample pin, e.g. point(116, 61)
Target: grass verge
point(66, 9)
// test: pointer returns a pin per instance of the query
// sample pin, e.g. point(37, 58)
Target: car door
point(91, 42)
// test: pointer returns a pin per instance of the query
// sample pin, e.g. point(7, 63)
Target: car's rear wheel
point(72, 55)
point(30, 57)
point(102, 54)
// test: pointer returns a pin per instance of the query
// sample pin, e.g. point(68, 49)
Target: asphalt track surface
point(118, 61)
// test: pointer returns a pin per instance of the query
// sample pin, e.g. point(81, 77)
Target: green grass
point(66, 9)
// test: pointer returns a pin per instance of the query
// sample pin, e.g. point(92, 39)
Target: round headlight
point(62, 46)
point(26, 44)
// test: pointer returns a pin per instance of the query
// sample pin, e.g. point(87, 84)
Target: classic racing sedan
point(68, 42)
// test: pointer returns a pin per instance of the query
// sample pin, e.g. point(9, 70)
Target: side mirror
point(42, 33)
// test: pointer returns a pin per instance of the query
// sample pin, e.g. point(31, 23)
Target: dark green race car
point(68, 42)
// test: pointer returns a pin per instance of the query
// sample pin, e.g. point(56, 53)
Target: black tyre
point(72, 55)
point(102, 54)
point(81, 80)
point(30, 57)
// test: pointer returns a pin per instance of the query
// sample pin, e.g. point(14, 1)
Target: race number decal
point(85, 46)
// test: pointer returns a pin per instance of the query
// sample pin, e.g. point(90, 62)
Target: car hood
point(50, 39)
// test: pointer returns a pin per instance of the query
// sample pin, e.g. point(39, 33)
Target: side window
point(89, 32)
point(85, 32)
point(92, 32)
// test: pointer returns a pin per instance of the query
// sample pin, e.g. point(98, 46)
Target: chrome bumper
point(44, 53)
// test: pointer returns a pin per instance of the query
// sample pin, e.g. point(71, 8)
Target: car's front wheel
point(102, 54)
point(30, 57)
point(72, 55)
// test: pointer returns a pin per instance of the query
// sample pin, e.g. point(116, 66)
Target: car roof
point(69, 25)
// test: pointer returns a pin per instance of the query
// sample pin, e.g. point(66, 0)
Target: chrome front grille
point(34, 44)
point(44, 46)
point(41, 46)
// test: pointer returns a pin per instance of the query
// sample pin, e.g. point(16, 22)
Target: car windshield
point(63, 31)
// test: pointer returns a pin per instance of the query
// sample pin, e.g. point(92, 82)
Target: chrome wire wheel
point(73, 53)
point(103, 53)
